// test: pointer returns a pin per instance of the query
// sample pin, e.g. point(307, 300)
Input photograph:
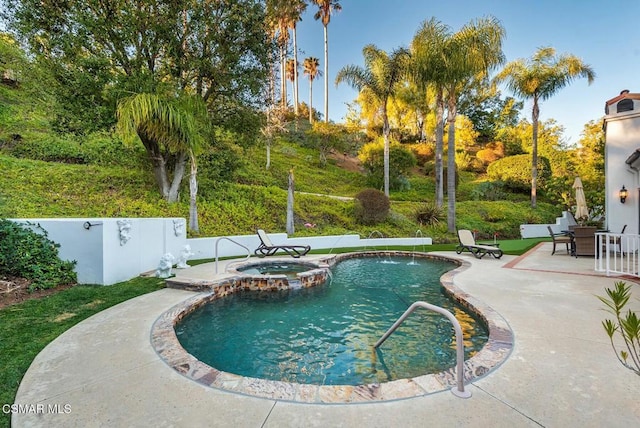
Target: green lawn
point(28, 327)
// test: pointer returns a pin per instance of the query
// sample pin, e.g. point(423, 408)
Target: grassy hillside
point(48, 175)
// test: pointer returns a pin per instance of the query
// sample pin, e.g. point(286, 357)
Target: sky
point(602, 33)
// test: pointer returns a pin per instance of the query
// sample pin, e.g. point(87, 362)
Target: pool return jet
point(457, 390)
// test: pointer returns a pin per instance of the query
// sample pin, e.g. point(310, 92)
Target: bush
point(401, 160)
point(27, 254)
point(428, 214)
point(423, 152)
point(515, 171)
point(372, 206)
point(489, 191)
point(491, 153)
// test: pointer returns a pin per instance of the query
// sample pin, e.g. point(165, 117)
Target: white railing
point(235, 242)
point(617, 254)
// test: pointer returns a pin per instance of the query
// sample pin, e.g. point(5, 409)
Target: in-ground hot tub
point(276, 274)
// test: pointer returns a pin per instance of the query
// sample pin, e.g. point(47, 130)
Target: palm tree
point(428, 70)
point(471, 53)
point(171, 130)
point(539, 78)
point(292, 74)
point(296, 9)
point(379, 78)
point(311, 69)
point(278, 23)
point(325, 9)
point(448, 61)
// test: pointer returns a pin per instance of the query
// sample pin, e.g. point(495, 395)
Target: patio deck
point(562, 371)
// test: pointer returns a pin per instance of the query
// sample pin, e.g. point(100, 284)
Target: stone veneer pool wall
point(166, 344)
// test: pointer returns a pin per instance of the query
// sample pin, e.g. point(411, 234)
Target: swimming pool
point(169, 349)
point(324, 335)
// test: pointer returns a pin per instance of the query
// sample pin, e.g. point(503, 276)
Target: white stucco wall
point(204, 248)
point(104, 258)
point(541, 231)
point(622, 134)
point(101, 256)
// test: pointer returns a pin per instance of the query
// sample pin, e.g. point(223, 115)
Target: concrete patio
point(562, 371)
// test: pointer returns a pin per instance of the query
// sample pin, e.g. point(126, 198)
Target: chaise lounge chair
point(267, 248)
point(468, 243)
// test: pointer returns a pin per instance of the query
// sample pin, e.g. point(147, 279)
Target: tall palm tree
point(379, 78)
point(428, 64)
point(171, 130)
point(447, 61)
point(296, 9)
point(292, 74)
point(311, 69)
point(278, 23)
point(539, 78)
point(470, 54)
point(325, 9)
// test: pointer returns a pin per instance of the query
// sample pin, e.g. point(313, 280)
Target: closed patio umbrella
point(581, 203)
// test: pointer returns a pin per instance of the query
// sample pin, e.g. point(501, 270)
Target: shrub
point(401, 160)
point(491, 152)
point(515, 171)
point(489, 191)
point(27, 254)
point(626, 325)
point(428, 214)
point(423, 152)
point(372, 206)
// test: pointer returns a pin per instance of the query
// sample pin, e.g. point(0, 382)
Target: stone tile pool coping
point(492, 355)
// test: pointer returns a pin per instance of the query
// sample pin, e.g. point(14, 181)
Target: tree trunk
point(310, 100)
point(385, 133)
point(290, 225)
point(420, 125)
point(534, 152)
point(193, 193)
point(158, 162)
point(326, 74)
point(268, 165)
point(451, 165)
point(283, 78)
point(295, 73)
point(178, 173)
point(439, 148)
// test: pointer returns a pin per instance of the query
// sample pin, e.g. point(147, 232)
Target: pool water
point(324, 335)
point(290, 270)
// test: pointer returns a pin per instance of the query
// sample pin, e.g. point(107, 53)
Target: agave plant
point(626, 325)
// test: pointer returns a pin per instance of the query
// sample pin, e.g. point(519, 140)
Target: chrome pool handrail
point(458, 390)
point(235, 242)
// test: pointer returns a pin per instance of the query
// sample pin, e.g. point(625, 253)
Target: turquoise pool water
point(290, 270)
point(324, 335)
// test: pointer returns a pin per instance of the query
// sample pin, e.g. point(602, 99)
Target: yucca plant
point(428, 214)
point(627, 326)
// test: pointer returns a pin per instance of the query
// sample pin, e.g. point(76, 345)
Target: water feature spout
point(413, 253)
point(340, 237)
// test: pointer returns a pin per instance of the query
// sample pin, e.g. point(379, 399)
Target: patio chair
point(561, 238)
point(468, 243)
point(267, 248)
